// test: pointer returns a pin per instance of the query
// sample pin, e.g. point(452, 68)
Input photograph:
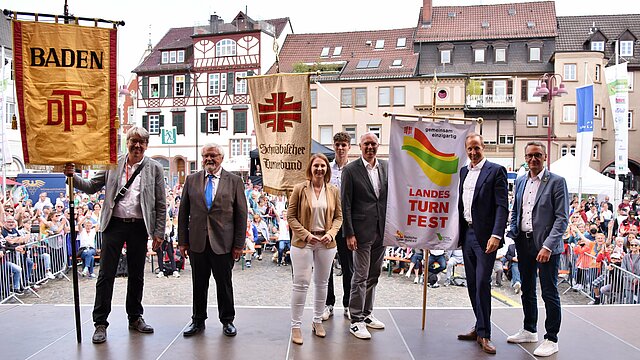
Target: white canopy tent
point(593, 182)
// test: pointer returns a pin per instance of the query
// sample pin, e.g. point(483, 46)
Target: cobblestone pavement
point(266, 284)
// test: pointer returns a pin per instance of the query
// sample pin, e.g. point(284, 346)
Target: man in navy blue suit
point(483, 211)
point(539, 219)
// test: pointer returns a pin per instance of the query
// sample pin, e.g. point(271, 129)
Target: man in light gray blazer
point(212, 223)
point(539, 218)
point(138, 214)
point(364, 208)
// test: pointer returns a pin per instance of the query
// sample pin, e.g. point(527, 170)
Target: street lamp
point(551, 85)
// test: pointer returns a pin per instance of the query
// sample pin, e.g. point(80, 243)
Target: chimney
point(213, 23)
point(427, 13)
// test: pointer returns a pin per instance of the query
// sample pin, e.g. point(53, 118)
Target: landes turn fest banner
point(281, 106)
point(422, 203)
point(66, 84)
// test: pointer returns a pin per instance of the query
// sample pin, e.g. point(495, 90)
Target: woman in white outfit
point(314, 216)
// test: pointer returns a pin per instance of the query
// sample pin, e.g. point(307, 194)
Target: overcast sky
point(157, 16)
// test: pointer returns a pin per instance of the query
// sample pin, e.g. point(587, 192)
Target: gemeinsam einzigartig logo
point(438, 166)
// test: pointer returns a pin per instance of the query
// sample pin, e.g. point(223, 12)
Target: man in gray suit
point(538, 221)
point(212, 223)
point(364, 207)
point(128, 216)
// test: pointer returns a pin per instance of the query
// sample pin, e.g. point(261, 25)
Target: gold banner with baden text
point(66, 84)
point(281, 106)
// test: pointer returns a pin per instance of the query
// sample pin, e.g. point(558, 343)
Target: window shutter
point(231, 83)
point(489, 88)
point(509, 87)
point(187, 85)
point(162, 87)
point(145, 122)
point(240, 122)
point(203, 122)
point(145, 87)
point(161, 121)
point(169, 86)
point(523, 91)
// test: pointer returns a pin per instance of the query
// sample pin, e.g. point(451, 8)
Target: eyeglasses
point(137, 141)
point(536, 155)
point(634, 245)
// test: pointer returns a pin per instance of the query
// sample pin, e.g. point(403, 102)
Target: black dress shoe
point(140, 326)
point(193, 329)
point(229, 330)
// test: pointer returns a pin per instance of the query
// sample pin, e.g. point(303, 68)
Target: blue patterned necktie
point(208, 191)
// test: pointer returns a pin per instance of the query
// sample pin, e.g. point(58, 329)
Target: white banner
point(618, 87)
point(422, 203)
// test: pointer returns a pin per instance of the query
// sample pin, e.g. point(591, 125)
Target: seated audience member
point(167, 247)
point(87, 250)
point(417, 258)
point(435, 265)
point(284, 238)
point(455, 258)
point(251, 236)
point(263, 233)
point(512, 263)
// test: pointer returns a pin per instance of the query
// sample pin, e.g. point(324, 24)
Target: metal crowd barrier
point(41, 261)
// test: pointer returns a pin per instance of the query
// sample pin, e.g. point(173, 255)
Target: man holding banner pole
point(483, 211)
point(364, 207)
point(134, 210)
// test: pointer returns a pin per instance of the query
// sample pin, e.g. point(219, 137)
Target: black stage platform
point(47, 332)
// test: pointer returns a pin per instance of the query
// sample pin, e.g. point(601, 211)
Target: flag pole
point(425, 280)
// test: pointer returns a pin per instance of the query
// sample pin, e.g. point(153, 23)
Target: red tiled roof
point(505, 21)
point(356, 46)
point(175, 38)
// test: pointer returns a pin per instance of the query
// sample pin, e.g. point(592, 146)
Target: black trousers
point(114, 237)
point(346, 263)
point(478, 267)
point(203, 265)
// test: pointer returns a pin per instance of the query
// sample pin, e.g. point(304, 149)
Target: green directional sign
point(169, 135)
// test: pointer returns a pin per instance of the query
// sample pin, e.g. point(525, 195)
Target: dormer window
point(325, 52)
point(597, 46)
point(172, 57)
point(180, 56)
point(626, 48)
point(501, 55)
point(534, 54)
point(337, 51)
point(478, 55)
point(402, 42)
point(445, 56)
point(379, 44)
point(165, 57)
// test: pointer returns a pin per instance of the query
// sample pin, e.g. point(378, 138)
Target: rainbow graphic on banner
point(438, 166)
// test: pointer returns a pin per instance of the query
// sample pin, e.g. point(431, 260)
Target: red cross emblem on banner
point(280, 112)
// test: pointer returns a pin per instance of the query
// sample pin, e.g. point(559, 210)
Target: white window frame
point(396, 63)
point(376, 129)
point(154, 124)
point(401, 42)
point(445, 56)
point(478, 55)
point(172, 56)
point(351, 130)
point(564, 150)
point(236, 148)
point(399, 95)
point(630, 80)
point(241, 83)
point(597, 46)
point(501, 55)
point(569, 113)
point(545, 121)
point(531, 89)
point(212, 118)
point(325, 52)
point(506, 139)
point(154, 80)
point(313, 93)
point(626, 48)
point(570, 72)
point(572, 150)
point(325, 134)
point(359, 97)
point(532, 120)
point(223, 120)
point(337, 51)
point(223, 82)
point(226, 47)
point(180, 58)
point(595, 151)
point(168, 91)
point(384, 96)
point(214, 84)
point(598, 73)
point(630, 119)
point(596, 111)
point(165, 57)
point(535, 54)
point(379, 44)
point(177, 80)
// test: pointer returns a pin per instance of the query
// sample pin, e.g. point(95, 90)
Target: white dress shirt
point(529, 200)
point(336, 173)
point(373, 174)
point(216, 182)
point(129, 205)
point(469, 188)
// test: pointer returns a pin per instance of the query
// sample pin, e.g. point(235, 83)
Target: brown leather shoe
point(472, 335)
point(486, 345)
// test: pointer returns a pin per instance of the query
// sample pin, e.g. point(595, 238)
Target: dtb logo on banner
point(65, 109)
point(280, 112)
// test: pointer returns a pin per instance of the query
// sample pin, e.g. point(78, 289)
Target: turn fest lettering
point(426, 208)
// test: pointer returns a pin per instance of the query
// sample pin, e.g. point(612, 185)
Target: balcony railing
point(490, 101)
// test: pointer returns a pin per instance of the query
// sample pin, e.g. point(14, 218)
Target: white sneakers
point(176, 274)
point(346, 313)
point(373, 323)
point(160, 275)
point(516, 287)
point(523, 336)
point(327, 313)
point(50, 275)
point(547, 348)
point(359, 330)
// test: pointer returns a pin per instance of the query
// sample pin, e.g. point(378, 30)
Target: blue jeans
point(87, 258)
point(515, 273)
point(282, 245)
point(16, 273)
